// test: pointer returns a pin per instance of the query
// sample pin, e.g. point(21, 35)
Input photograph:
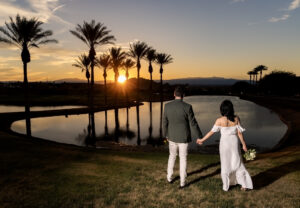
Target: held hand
point(199, 141)
point(245, 148)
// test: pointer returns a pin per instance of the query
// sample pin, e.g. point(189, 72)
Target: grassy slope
point(44, 174)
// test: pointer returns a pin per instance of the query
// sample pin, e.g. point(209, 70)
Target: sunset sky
point(206, 38)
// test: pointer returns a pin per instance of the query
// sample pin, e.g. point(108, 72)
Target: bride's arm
point(208, 135)
point(241, 137)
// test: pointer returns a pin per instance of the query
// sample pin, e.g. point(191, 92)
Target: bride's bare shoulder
point(219, 121)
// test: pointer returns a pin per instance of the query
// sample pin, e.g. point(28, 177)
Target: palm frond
point(163, 58)
point(93, 34)
point(128, 63)
point(25, 32)
point(151, 54)
point(117, 58)
point(138, 50)
point(104, 61)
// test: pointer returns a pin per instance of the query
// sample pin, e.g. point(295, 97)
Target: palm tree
point(104, 61)
point(93, 34)
point(254, 73)
point(162, 59)
point(261, 68)
point(83, 63)
point(150, 57)
point(25, 34)
point(250, 74)
point(128, 64)
point(138, 50)
point(117, 58)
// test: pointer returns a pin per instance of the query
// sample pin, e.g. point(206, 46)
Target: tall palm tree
point(83, 62)
point(25, 34)
point(260, 69)
point(93, 34)
point(150, 57)
point(117, 60)
point(128, 64)
point(255, 72)
point(162, 59)
point(250, 74)
point(104, 61)
point(138, 50)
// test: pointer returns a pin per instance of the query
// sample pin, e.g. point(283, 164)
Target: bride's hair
point(227, 110)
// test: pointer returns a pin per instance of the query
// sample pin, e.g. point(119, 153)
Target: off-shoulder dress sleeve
point(215, 128)
point(240, 129)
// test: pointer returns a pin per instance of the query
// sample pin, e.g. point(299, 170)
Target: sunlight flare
point(121, 79)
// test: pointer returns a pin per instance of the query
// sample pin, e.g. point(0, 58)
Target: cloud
point(277, 19)
point(294, 5)
point(43, 10)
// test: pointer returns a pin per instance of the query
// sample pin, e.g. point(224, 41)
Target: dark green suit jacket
point(179, 123)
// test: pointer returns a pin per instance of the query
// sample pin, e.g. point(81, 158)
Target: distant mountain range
point(190, 81)
point(203, 81)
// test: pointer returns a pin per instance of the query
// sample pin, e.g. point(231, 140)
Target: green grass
point(43, 174)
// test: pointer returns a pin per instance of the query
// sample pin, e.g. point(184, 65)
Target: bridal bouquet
point(250, 154)
point(165, 141)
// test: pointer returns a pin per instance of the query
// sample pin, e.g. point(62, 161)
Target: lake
point(264, 129)
point(9, 108)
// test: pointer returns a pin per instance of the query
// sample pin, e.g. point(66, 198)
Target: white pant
point(183, 150)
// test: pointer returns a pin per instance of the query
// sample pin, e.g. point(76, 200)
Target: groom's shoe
point(170, 181)
point(181, 187)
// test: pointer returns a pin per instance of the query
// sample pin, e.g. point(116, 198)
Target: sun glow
point(121, 79)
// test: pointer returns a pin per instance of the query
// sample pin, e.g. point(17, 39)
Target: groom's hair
point(179, 91)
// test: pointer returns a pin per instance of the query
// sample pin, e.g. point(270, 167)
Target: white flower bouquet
point(250, 154)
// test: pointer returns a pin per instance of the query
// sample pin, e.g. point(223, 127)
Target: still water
point(264, 129)
point(9, 108)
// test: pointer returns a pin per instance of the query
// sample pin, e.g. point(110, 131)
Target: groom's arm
point(165, 123)
point(193, 123)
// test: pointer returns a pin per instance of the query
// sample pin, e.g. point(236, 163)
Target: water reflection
point(27, 118)
point(143, 124)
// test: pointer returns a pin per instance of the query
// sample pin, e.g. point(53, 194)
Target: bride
point(233, 170)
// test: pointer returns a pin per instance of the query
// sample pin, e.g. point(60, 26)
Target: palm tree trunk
point(126, 88)
point(88, 88)
point(260, 75)
point(138, 81)
point(250, 79)
point(161, 87)
point(27, 103)
point(150, 86)
point(105, 91)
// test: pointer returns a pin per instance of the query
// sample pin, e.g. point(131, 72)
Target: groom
point(179, 124)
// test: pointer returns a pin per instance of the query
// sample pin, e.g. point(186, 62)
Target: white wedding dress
point(233, 170)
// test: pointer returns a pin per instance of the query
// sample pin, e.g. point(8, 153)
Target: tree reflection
point(138, 124)
point(117, 125)
point(160, 120)
point(27, 118)
point(90, 139)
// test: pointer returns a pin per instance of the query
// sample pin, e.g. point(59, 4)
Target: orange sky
point(205, 38)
